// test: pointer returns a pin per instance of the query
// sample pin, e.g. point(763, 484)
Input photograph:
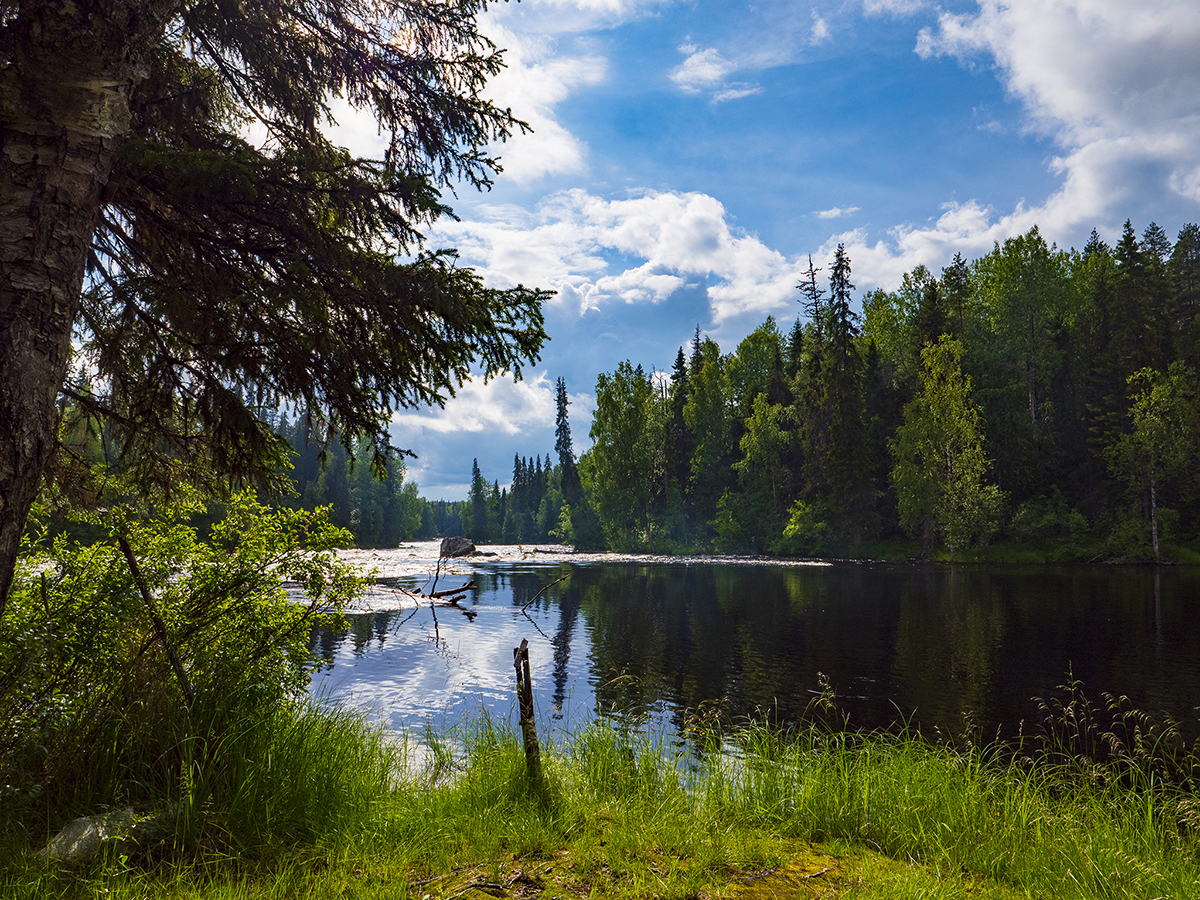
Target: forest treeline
point(381, 508)
point(1034, 397)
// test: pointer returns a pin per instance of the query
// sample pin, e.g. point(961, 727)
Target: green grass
point(318, 804)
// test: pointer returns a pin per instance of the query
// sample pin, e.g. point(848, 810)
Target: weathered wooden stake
point(533, 753)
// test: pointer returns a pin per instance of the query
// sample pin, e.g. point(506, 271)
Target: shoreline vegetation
point(1033, 406)
point(240, 790)
point(317, 803)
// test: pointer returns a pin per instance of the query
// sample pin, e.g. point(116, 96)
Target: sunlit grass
point(320, 804)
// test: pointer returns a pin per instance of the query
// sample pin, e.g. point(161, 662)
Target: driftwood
point(543, 590)
point(450, 595)
point(438, 595)
point(447, 598)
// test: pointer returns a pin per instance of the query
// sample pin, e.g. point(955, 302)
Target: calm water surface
point(927, 645)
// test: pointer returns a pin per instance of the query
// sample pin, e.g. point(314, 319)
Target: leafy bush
point(806, 533)
point(116, 657)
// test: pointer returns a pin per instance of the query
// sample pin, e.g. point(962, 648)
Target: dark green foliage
point(225, 275)
point(376, 504)
point(477, 506)
point(572, 488)
point(783, 445)
point(97, 713)
point(1184, 274)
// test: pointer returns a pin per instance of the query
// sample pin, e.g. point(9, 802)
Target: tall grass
point(314, 802)
point(1045, 830)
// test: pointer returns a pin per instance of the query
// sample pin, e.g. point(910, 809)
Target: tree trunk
point(66, 70)
point(1154, 516)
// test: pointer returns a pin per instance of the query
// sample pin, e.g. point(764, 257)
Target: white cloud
point(578, 244)
point(1115, 84)
point(701, 70)
point(502, 405)
point(820, 30)
point(707, 70)
point(736, 92)
point(967, 228)
point(534, 81)
point(892, 7)
point(838, 212)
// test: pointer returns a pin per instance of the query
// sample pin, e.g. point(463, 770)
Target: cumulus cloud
point(968, 228)
point(701, 70)
point(500, 405)
point(1115, 85)
point(640, 249)
point(534, 81)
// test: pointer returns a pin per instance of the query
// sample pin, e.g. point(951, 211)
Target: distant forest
point(1041, 401)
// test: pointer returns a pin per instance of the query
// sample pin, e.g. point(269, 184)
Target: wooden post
point(533, 753)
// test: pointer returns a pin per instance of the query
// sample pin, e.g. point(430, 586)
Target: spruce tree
point(813, 303)
point(572, 489)
point(477, 527)
point(678, 443)
point(200, 268)
point(956, 292)
point(795, 349)
point(1184, 273)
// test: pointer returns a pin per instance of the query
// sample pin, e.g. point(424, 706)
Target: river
point(934, 646)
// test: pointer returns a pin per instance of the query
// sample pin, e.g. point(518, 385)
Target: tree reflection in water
point(926, 645)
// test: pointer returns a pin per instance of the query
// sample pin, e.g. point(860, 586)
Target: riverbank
point(625, 814)
point(420, 558)
point(416, 562)
point(415, 565)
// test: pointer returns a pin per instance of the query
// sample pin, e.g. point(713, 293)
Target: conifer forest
point(1034, 397)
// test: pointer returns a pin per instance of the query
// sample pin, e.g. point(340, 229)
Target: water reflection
point(928, 645)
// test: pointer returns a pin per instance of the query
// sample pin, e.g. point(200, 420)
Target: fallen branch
point(448, 593)
point(543, 590)
point(487, 887)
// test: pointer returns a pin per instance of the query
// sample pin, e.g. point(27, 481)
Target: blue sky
point(688, 156)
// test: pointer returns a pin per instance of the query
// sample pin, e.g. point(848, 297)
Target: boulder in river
point(456, 546)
